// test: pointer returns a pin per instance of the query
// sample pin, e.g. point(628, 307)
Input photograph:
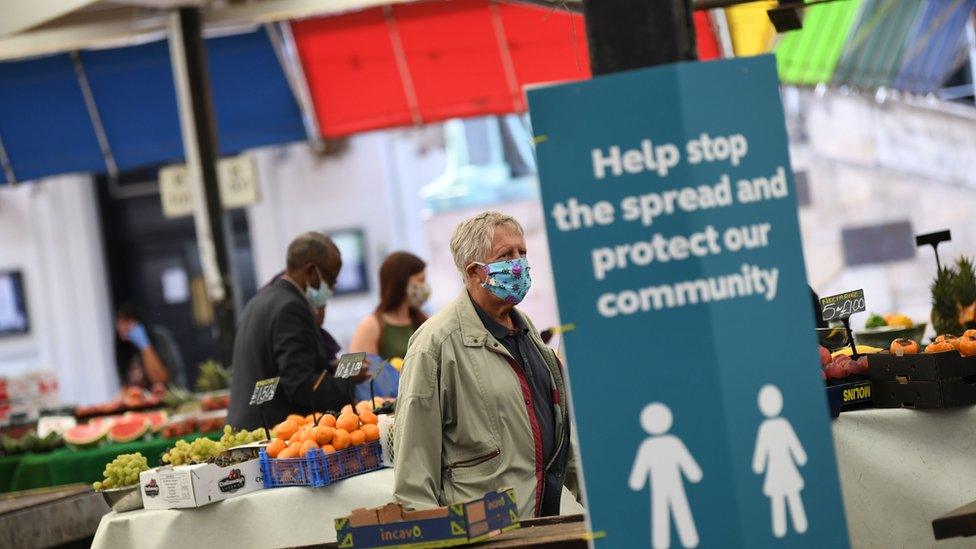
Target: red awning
point(429, 61)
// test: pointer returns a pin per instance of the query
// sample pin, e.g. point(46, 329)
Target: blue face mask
point(318, 297)
point(508, 280)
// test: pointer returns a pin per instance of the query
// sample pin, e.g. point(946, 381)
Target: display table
point(900, 469)
point(278, 517)
point(65, 466)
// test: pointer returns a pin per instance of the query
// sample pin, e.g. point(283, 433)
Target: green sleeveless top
point(393, 339)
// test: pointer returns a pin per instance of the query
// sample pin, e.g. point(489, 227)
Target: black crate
point(920, 367)
point(851, 393)
point(923, 394)
point(926, 381)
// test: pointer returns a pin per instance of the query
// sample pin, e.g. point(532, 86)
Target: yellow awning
point(750, 29)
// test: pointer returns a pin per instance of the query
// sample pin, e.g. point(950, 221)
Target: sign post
point(264, 391)
point(675, 243)
point(841, 307)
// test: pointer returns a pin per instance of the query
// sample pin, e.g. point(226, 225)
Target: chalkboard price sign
point(350, 365)
point(264, 390)
point(841, 306)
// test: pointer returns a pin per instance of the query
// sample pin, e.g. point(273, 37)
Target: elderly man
point(481, 397)
point(278, 336)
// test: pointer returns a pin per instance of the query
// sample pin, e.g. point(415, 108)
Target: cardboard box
point(187, 486)
point(459, 524)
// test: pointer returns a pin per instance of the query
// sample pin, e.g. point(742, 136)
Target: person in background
point(277, 336)
point(146, 355)
point(481, 403)
point(403, 291)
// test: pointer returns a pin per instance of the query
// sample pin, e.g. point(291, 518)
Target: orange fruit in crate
point(306, 446)
point(349, 422)
point(296, 438)
point(347, 409)
point(323, 435)
point(285, 429)
point(364, 406)
point(328, 448)
point(289, 452)
point(328, 420)
point(371, 431)
point(275, 447)
point(368, 418)
point(340, 440)
point(296, 418)
point(357, 438)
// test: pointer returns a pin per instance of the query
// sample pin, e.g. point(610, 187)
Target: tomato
point(939, 347)
point(967, 345)
point(904, 347)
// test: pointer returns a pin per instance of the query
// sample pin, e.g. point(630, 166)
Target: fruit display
point(212, 402)
point(840, 364)
point(177, 397)
point(212, 377)
point(904, 347)
point(231, 439)
point(297, 435)
point(954, 298)
point(85, 436)
point(122, 471)
point(964, 344)
point(129, 428)
point(187, 424)
point(31, 443)
point(893, 320)
point(197, 451)
point(130, 398)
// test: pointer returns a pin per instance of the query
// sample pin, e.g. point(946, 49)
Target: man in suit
point(278, 337)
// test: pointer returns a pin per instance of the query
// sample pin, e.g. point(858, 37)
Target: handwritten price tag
point(841, 306)
point(350, 365)
point(264, 390)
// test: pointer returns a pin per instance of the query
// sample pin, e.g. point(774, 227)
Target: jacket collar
point(473, 331)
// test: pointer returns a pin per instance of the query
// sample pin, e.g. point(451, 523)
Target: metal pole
point(630, 34)
point(199, 130)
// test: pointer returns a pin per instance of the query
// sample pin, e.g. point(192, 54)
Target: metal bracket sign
point(841, 306)
point(264, 391)
point(349, 365)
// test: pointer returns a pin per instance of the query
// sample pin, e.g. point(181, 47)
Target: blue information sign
point(674, 238)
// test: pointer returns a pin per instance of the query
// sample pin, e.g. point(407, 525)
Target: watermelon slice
point(128, 429)
point(88, 435)
point(156, 419)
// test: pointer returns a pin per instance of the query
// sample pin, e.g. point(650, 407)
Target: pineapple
point(965, 289)
point(945, 313)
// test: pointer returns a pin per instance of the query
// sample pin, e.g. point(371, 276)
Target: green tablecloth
point(65, 466)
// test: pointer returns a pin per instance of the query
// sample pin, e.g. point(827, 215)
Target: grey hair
point(311, 247)
point(473, 237)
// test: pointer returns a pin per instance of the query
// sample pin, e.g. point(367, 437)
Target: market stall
point(66, 465)
point(280, 517)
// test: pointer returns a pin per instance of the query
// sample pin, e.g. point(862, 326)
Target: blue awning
point(44, 124)
point(46, 129)
point(934, 46)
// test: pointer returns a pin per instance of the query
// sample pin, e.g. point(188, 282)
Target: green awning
point(810, 55)
point(873, 55)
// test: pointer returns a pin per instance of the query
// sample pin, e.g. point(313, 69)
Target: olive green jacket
point(462, 421)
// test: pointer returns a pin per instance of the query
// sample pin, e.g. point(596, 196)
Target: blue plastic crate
point(290, 471)
point(321, 469)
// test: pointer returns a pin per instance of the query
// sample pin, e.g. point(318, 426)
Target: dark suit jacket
point(277, 336)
